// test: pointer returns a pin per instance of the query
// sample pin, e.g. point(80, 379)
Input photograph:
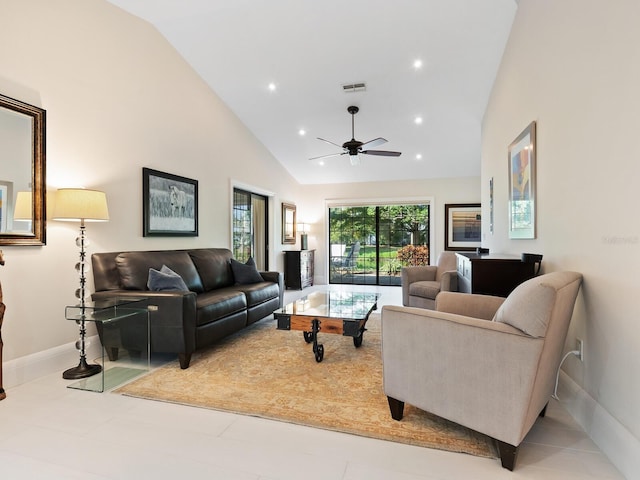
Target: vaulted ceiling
point(281, 66)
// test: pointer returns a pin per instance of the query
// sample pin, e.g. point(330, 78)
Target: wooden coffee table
point(338, 312)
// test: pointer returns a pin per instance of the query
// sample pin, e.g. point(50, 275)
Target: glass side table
point(123, 328)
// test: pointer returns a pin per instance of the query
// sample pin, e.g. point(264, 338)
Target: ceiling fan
point(353, 147)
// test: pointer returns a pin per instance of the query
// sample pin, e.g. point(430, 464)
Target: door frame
point(270, 236)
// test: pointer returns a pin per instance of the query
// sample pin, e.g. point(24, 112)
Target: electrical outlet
point(580, 349)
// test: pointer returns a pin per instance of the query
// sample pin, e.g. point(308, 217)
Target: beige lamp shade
point(24, 206)
point(303, 227)
point(78, 204)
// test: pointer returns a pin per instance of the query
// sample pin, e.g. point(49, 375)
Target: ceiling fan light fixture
point(355, 160)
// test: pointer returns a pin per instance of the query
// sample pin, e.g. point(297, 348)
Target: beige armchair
point(484, 362)
point(421, 285)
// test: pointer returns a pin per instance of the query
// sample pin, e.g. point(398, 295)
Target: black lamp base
point(83, 370)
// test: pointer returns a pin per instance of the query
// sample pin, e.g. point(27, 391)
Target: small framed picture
point(462, 226)
point(169, 205)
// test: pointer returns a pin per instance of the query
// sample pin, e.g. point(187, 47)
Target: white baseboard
point(615, 441)
point(57, 359)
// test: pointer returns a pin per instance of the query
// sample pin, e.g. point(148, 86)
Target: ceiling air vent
point(354, 87)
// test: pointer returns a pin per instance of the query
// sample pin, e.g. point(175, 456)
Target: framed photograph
point(288, 223)
point(522, 184)
point(169, 205)
point(462, 226)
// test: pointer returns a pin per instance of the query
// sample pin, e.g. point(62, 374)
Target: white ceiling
point(310, 48)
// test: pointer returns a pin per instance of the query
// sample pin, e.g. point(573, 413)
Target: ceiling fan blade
point(322, 139)
point(382, 153)
point(374, 143)
point(327, 156)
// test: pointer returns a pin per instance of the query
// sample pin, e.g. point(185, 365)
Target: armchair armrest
point(449, 281)
point(469, 304)
point(470, 371)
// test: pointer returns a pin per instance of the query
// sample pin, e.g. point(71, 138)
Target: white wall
point(573, 66)
point(313, 201)
point(118, 98)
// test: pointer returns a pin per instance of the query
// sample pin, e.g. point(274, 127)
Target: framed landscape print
point(169, 205)
point(522, 184)
point(462, 226)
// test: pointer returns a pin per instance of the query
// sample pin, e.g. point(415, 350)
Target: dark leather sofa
point(215, 305)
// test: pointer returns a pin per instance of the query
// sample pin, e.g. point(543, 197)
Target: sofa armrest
point(469, 304)
point(275, 277)
point(470, 371)
point(415, 274)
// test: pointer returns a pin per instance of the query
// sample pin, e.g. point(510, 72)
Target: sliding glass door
point(369, 244)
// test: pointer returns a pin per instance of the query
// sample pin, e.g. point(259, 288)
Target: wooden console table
point(492, 274)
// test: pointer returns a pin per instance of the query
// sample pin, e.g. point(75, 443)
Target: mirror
point(22, 173)
point(288, 223)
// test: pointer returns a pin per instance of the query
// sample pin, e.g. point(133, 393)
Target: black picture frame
point(462, 226)
point(169, 205)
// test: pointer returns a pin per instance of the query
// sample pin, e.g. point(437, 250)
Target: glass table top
point(333, 304)
point(107, 309)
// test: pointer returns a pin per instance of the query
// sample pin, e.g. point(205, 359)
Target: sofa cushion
point(245, 273)
point(217, 304)
point(213, 266)
point(424, 289)
point(165, 280)
point(528, 307)
point(258, 293)
point(133, 268)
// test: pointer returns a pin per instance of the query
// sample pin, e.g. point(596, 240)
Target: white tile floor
point(49, 431)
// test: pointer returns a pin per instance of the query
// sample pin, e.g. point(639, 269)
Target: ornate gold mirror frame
point(22, 170)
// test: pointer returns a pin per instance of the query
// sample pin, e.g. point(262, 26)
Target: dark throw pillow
point(245, 272)
point(164, 280)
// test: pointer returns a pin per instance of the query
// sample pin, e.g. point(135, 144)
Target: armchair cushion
point(528, 308)
point(425, 288)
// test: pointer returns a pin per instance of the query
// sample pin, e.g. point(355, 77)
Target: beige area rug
point(270, 373)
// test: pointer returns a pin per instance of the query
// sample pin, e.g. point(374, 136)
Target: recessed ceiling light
point(417, 64)
point(418, 120)
point(302, 132)
point(418, 156)
point(272, 87)
point(321, 162)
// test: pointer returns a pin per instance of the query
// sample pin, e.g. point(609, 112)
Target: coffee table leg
point(318, 349)
point(357, 340)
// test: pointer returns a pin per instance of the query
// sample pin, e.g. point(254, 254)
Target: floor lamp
point(80, 205)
